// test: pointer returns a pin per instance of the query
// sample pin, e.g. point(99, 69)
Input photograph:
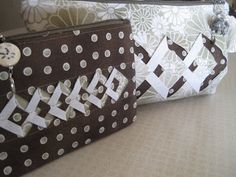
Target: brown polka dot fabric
point(73, 87)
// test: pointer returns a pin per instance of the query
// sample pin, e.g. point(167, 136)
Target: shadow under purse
point(69, 88)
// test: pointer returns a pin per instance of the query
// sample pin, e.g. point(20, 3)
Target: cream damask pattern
point(150, 24)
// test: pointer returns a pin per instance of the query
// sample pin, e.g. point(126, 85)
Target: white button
point(9, 54)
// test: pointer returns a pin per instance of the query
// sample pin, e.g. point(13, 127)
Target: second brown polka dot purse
point(63, 89)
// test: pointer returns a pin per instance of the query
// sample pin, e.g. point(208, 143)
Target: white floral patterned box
point(175, 57)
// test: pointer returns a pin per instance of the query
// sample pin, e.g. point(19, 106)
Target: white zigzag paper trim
point(72, 99)
point(192, 79)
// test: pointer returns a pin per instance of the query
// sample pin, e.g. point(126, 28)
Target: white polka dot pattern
point(101, 130)
point(64, 48)
point(74, 111)
point(94, 38)
point(73, 130)
point(24, 148)
point(59, 137)
point(43, 140)
point(3, 155)
point(50, 89)
point(60, 152)
point(17, 117)
point(47, 52)
point(2, 138)
point(107, 53)
point(83, 64)
point(45, 156)
point(108, 36)
point(57, 122)
point(27, 51)
point(114, 125)
point(28, 162)
point(88, 141)
point(66, 66)
point(86, 128)
point(75, 144)
point(122, 66)
point(4, 76)
point(113, 113)
point(121, 34)
point(27, 71)
point(101, 118)
point(47, 70)
point(79, 49)
point(121, 50)
point(95, 55)
point(76, 32)
point(7, 170)
point(31, 90)
point(125, 120)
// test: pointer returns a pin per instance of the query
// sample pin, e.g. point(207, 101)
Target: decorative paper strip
point(188, 58)
point(54, 104)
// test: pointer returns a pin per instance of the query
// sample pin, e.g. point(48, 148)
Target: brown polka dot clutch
point(69, 88)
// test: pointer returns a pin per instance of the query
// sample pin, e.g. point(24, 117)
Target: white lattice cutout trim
point(72, 99)
point(192, 79)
